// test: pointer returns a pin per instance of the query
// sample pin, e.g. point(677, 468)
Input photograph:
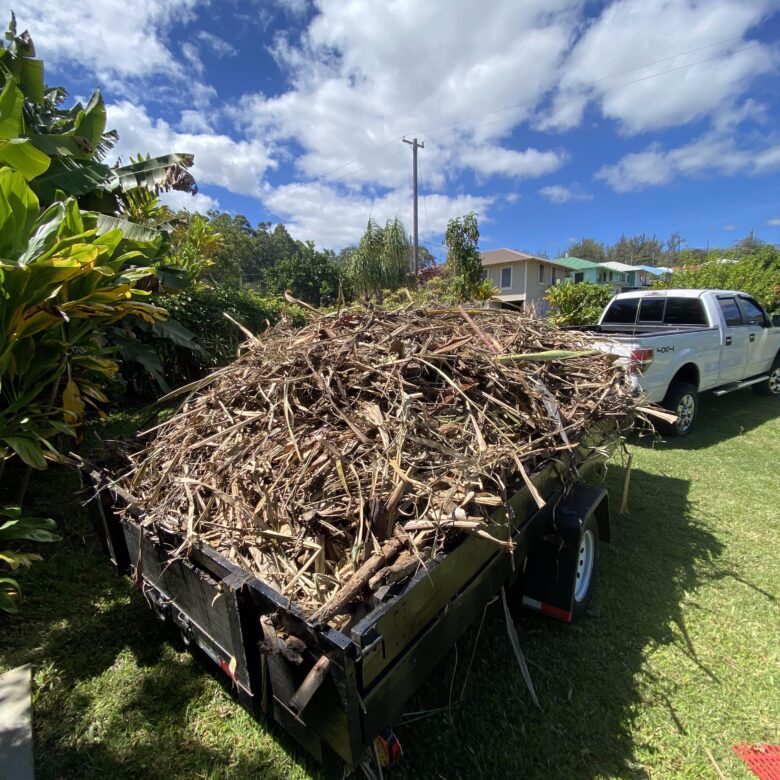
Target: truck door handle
point(728, 341)
point(752, 336)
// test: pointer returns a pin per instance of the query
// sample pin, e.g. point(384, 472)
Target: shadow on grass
point(116, 694)
point(589, 676)
point(720, 418)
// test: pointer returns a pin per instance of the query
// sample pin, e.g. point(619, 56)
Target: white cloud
point(708, 155)
point(730, 227)
point(557, 193)
point(334, 219)
point(218, 46)
point(701, 44)
point(191, 53)
point(498, 161)
point(774, 222)
point(113, 38)
point(200, 203)
point(236, 165)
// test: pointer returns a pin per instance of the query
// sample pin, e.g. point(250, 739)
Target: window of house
point(541, 273)
point(730, 312)
point(506, 278)
point(579, 276)
point(553, 275)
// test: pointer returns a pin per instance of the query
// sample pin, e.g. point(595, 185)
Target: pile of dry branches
point(339, 456)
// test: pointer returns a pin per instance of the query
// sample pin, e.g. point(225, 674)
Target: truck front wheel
point(771, 386)
point(682, 399)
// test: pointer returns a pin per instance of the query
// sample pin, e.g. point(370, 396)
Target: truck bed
point(623, 332)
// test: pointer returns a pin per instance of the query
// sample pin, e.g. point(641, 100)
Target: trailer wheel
point(772, 385)
point(586, 564)
point(682, 399)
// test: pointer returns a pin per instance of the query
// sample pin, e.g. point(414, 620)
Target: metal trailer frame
point(381, 661)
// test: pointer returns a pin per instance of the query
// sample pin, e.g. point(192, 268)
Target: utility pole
point(415, 146)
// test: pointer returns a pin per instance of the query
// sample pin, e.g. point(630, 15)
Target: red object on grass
point(763, 760)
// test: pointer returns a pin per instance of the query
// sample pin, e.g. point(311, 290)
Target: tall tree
point(381, 260)
point(588, 249)
point(463, 256)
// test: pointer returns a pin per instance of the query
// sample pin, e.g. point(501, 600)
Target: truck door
point(759, 343)
point(735, 341)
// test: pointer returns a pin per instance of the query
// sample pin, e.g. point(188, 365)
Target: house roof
point(621, 268)
point(504, 256)
point(576, 263)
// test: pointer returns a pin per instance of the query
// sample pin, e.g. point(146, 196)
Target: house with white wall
point(521, 279)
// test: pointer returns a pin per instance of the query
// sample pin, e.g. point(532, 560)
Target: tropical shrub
point(381, 260)
point(202, 312)
point(757, 274)
point(463, 257)
point(577, 303)
point(14, 528)
point(61, 284)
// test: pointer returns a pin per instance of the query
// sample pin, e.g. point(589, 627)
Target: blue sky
point(553, 119)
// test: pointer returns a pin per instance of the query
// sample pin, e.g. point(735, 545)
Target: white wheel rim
point(686, 409)
point(774, 381)
point(584, 565)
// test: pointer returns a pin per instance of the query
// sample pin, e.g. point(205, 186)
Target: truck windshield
point(669, 311)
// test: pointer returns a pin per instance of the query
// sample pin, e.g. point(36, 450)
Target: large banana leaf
point(130, 230)
point(18, 212)
point(72, 179)
point(168, 172)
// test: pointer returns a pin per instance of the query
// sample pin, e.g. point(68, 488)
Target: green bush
point(202, 311)
point(577, 303)
point(757, 274)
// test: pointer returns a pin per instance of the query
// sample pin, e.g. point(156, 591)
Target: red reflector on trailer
point(763, 760)
point(548, 609)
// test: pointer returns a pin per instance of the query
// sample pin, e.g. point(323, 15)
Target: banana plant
point(14, 527)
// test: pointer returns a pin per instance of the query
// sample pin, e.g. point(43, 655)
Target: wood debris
point(339, 457)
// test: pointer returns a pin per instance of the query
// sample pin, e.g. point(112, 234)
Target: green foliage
point(757, 274)
point(202, 312)
point(588, 249)
point(463, 257)
point(381, 260)
point(194, 244)
point(577, 303)
point(60, 285)
point(15, 528)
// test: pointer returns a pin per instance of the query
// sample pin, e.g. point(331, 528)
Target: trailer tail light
point(640, 360)
point(388, 749)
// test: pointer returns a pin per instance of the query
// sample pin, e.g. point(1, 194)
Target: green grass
point(678, 655)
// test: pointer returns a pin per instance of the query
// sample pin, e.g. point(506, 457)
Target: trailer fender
point(549, 574)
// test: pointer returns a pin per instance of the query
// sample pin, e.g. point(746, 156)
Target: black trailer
point(343, 688)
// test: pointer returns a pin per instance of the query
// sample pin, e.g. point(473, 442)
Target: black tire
point(770, 386)
point(589, 531)
point(682, 399)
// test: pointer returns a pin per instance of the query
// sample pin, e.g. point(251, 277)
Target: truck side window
point(730, 311)
point(685, 311)
point(652, 310)
point(622, 312)
point(751, 312)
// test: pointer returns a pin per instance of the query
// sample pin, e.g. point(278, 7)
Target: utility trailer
point(344, 688)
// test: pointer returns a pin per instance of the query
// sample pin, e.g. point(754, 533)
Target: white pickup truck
point(679, 343)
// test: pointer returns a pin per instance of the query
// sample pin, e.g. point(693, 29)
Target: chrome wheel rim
point(774, 381)
point(686, 409)
point(584, 565)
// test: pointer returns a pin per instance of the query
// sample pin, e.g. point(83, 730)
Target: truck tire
point(772, 385)
point(682, 399)
point(586, 563)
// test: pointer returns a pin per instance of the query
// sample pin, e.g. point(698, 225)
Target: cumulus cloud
point(237, 165)
point(701, 63)
point(774, 222)
point(710, 154)
point(498, 161)
point(336, 219)
point(557, 193)
point(200, 203)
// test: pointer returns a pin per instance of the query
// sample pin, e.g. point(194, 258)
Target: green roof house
point(580, 270)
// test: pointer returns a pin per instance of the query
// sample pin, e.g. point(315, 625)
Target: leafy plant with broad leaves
point(577, 303)
point(15, 528)
point(463, 257)
point(61, 284)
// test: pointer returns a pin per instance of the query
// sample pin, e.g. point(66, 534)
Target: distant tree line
point(643, 249)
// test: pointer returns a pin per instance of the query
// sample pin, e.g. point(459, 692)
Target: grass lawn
point(679, 654)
